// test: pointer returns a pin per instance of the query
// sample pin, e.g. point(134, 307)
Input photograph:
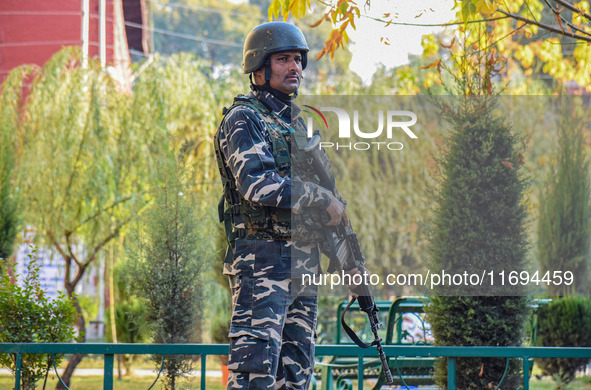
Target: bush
point(166, 260)
point(28, 315)
point(565, 322)
point(479, 227)
point(131, 327)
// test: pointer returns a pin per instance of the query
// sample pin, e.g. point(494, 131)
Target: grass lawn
point(140, 362)
point(96, 383)
point(142, 383)
point(547, 384)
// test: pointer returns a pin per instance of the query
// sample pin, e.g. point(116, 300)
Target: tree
point(213, 30)
point(545, 39)
point(478, 225)
point(129, 317)
point(564, 226)
point(28, 315)
point(167, 259)
point(84, 184)
point(542, 38)
point(10, 98)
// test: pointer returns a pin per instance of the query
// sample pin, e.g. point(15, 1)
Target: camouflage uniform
point(274, 317)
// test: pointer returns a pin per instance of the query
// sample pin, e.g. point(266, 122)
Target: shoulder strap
point(350, 331)
point(278, 141)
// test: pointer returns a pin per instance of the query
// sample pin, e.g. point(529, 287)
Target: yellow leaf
point(352, 20)
point(432, 65)
point(430, 46)
point(485, 7)
point(559, 20)
point(318, 21)
point(450, 45)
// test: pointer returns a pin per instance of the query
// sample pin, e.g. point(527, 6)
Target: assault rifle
point(345, 254)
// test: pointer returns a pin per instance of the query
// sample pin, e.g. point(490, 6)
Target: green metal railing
point(204, 350)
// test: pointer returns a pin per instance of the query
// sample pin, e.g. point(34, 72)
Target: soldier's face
point(286, 71)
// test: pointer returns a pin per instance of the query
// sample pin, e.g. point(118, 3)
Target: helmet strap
point(267, 66)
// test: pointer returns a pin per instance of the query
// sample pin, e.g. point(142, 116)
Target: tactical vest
point(263, 222)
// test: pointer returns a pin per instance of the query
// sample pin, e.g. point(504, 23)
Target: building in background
point(31, 31)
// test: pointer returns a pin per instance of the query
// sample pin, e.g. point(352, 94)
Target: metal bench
point(394, 315)
point(405, 325)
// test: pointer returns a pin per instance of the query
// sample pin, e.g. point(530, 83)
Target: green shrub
point(131, 327)
point(478, 227)
point(165, 262)
point(565, 322)
point(28, 315)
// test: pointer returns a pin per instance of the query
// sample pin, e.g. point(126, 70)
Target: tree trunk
point(76, 358)
point(69, 371)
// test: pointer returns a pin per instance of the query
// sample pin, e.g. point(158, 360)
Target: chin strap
point(285, 98)
point(267, 66)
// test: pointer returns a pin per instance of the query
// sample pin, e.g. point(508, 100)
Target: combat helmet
point(270, 38)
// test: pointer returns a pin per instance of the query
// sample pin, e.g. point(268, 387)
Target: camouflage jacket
point(256, 179)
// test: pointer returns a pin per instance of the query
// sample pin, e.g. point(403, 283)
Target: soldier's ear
point(259, 76)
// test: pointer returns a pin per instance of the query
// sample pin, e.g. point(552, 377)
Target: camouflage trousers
point(272, 331)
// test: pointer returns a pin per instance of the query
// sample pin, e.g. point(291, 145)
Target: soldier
point(258, 145)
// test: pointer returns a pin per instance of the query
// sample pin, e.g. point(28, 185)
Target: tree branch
point(573, 8)
point(60, 250)
point(112, 205)
point(111, 236)
point(434, 24)
point(545, 26)
point(558, 15)
point(78, 157)
point(72, 255)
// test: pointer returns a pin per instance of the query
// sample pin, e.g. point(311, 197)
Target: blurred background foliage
point(85, 151)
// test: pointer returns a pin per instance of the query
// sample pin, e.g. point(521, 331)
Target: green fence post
point(17, 373)
point(360, 373)
point(108, 378)
point(451, 373)
point(525, 373)
point(203, 371)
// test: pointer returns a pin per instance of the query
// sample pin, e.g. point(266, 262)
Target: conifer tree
point(478, 226)
point(564, 227)
point(166, 263)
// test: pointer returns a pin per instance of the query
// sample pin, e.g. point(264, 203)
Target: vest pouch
point(253, 213)
point(301, 139)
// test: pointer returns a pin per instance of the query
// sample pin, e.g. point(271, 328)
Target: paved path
point(136, 372)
